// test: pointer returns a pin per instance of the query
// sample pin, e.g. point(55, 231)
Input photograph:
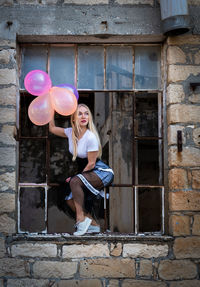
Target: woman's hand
point(68, 179)
point(56, 130)
point(92, 157)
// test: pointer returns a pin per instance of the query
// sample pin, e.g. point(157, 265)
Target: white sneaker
point(83, 226)
point(93, 229)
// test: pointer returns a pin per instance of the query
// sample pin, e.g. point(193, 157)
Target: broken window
point(121, 85)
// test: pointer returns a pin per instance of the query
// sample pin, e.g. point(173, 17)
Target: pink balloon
point(37, 82)
point(40, 110)
point(63, 101)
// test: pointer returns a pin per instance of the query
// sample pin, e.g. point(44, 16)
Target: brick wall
point(111, 262)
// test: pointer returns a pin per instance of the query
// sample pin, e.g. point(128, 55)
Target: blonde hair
point(76, 129)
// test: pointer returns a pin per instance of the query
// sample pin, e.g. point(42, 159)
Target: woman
point(84, 145)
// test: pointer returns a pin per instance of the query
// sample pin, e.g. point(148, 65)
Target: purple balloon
point(37, 82)
point(71, 88)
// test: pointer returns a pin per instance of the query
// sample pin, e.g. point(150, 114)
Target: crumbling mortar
point(137, 268)
point(77, 274)
point(191, 224)
point(11, 65)
point(104, 283)
point(170, 251)
point(120, 282)
point(198, 271)
point(154, 269)
point(31, 263)
point(59, 251)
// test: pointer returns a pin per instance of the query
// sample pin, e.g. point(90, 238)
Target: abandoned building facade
point(136, 64)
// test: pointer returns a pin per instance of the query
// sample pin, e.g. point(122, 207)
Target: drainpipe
point(175, 17)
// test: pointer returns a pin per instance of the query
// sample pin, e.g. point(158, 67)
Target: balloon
point(63, 101)
point(37, 82)
point(71, 88)
point(40, 110)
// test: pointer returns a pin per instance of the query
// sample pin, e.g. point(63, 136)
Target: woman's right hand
point(56, 130)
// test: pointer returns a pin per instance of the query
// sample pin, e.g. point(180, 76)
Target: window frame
point(134, 91)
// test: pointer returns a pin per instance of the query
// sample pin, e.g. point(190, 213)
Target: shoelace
point(76, 225)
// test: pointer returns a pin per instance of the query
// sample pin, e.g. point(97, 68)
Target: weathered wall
point(60, 262)
point(183, 110)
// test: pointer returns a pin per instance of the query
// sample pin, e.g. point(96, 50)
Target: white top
point(87, 143)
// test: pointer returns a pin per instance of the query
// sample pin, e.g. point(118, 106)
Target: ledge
point(106, 237)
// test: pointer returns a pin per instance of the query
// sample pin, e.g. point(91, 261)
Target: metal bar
point(46, 209)
point(31, 184)
point(163, 210)
point(161, 164)
point(105, 210)
point(104, 76)
point(18, 209)
point(147, 138)
point(134, 145)
point(134, 185)
point(33, 44)
point(46, 129)
point(179, 141)
point(160, 136)
point(133, 159)
point(136, 211)
point(133, 63)
point(76, 67)
point(61, 45)
point(107, 90)
point(43, 137)
point(48, 161)
point(48, 60)
point(160, 161)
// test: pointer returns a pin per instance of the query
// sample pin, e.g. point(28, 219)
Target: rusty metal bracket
point(179, 141)
point(194, 85)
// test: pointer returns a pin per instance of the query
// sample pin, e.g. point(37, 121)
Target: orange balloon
point(63, 101)
point(40, 110)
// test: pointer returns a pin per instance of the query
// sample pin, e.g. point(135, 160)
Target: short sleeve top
point(87, 143)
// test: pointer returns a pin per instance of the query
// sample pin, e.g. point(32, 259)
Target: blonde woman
point(85, 147)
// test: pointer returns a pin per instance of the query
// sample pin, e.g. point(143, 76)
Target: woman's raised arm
point(56, 130)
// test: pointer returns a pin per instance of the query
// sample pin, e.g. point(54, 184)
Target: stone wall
point(124, 262)
point(168, 261)
point(183, 110)
point(7, 142)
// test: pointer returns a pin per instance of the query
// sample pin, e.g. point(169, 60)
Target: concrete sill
point(106, 237)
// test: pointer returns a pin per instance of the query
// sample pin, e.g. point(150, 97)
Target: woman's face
point(82, 116)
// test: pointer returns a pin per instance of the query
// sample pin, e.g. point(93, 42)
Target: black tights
point(77, 186)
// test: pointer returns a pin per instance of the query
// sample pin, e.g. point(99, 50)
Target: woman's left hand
point(68, 179)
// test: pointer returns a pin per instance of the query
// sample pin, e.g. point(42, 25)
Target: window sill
point(110, 237)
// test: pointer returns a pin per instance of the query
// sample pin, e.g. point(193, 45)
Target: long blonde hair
point(76, 129)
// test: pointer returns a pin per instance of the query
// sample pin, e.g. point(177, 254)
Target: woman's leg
point(71, 204)
point(76, 186)
point(96, 182)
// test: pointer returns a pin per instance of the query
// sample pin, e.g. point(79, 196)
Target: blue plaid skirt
point(104, 172)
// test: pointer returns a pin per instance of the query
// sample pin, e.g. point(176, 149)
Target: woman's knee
point(74, 183)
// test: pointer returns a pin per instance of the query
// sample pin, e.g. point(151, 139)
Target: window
point(122, 86)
